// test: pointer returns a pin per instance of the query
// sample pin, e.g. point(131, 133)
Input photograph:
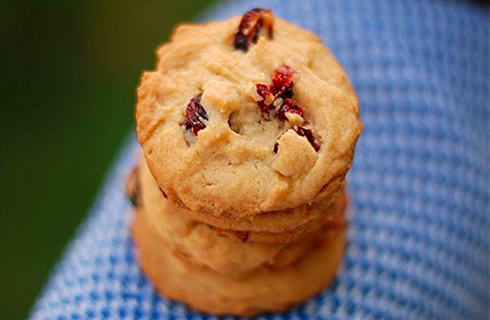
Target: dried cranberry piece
point(281, 87)
point(240, 236)
point(308, 133)
point(250, 25)
point(282, 81)
point(195, 115)
point(281, 92)
point(288, 105)
point(267, 95)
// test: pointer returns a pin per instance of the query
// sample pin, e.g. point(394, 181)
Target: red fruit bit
point(250, 25)
point(281, 87)
point(282, 82)
point(240, 236)
point(308, 133)
point(288, 105)
point(195, 115)
point(276, 147)
point(267, 95)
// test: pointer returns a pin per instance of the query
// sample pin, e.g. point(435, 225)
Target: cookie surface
point(210, 145)
point(206, 290)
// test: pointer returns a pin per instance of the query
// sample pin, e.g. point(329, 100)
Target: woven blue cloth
point(419, 218)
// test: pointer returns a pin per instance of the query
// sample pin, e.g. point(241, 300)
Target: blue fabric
point(419, 218)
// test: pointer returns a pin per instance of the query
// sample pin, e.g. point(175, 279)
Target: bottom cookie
point(263, 291)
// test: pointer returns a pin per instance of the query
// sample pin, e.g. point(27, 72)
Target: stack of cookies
point(248, 128)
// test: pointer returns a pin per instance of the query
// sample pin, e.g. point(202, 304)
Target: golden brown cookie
point(225, 251)
point(247, 116)
point(200, 245)
point(262, 291)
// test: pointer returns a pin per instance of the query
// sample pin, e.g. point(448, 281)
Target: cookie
point(247, 116)
point(273, 228)
point(217, 249)
point(206, 290)
point(200, 245)
point(225, 251)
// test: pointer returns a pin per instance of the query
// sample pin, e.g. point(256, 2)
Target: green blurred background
point(68, 77)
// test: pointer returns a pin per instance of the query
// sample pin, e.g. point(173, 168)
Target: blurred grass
point(68, 78)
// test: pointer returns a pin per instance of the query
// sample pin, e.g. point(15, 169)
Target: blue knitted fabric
point(419, 228)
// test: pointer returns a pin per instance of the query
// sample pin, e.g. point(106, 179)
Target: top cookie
point(247, 116)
